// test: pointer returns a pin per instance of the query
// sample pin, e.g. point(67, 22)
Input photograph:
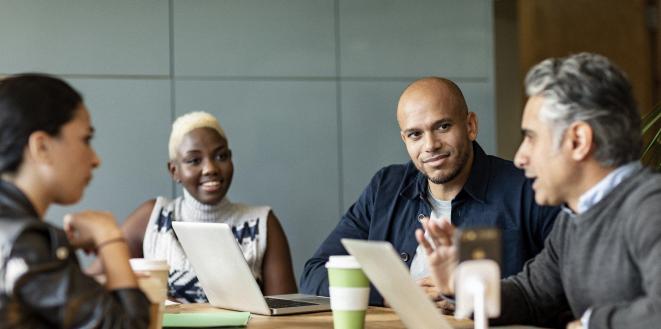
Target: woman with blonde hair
point(201, 162)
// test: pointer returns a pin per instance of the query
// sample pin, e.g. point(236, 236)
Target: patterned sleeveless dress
point(248, 224)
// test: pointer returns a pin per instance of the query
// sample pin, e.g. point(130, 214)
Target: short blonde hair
point(187, 123)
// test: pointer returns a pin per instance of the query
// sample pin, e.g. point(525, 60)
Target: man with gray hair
point(601, 265)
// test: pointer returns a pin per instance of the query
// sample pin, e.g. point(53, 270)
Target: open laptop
point(226, 278)
point(390, 276)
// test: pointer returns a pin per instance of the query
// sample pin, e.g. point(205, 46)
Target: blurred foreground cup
point(153, 281)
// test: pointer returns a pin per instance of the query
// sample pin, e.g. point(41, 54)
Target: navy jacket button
point(404, 256)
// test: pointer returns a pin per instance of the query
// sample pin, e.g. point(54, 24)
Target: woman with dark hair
point(46, 158)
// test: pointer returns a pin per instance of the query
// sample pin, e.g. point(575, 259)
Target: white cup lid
point(342, 262)
point(142, 264)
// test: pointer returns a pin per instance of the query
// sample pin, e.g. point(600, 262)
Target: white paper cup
point(153, 281)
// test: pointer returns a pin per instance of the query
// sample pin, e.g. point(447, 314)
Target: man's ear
point(581, 136)
point(39, 147)
point(472, 126)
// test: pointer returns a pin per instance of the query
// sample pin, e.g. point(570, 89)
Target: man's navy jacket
point(496, 194)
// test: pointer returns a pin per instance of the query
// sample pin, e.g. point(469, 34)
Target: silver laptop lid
point(390, 276)
point(220, 266)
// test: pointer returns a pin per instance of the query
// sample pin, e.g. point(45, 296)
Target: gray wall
point(305, 89)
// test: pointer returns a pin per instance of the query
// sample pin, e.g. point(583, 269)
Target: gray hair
point(588, 87)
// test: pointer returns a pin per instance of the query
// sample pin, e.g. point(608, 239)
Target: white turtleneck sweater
point(248, 224)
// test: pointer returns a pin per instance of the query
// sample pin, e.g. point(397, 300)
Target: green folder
point(205, 320)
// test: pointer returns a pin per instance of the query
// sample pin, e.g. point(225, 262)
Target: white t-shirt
point(441, 210)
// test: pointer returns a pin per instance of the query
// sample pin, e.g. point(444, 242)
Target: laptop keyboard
point(280, 303)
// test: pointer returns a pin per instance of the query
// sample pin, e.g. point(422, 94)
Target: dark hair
point(28, 103)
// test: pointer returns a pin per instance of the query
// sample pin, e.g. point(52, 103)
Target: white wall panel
point(393, 38)
point(254, 38)
point(87, 37)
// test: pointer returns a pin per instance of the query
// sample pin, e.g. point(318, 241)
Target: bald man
point(449, 178)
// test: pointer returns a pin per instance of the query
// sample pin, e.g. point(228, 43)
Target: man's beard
point(462, 161)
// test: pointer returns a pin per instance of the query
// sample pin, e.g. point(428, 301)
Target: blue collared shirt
point(496, 194)
point(608, 183)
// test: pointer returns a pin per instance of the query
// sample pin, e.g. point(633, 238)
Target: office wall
point(305, 89)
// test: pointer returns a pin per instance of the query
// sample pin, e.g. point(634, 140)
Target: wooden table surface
point(377, 317)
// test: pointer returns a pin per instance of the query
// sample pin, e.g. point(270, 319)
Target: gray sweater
point(607, 259)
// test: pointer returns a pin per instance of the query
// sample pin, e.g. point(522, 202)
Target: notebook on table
point(226, 278)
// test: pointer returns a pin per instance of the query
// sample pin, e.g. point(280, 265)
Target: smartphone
point(476, 245)
point(479, 243)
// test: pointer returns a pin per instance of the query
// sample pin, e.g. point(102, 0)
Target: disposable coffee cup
point(153, 281)
point(349, 292)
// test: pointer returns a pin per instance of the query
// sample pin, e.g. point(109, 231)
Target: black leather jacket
point(41, 283)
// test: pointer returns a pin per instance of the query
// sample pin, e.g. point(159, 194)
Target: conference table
point(377, 317)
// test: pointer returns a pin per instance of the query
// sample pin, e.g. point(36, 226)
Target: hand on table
point(434, 294)
point(430, 288)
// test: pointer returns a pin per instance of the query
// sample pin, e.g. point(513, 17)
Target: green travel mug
point(349, 292)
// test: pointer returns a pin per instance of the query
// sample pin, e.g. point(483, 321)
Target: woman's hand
point(98, 231)
point(441, 254)
point(88, 229)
